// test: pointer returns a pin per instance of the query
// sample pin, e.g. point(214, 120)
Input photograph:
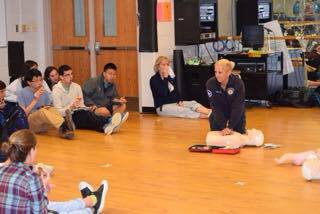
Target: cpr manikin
point(253, 137)
point(309, 160)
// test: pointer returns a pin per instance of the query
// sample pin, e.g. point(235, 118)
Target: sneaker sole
point(124, 119)
point(105, 190)
point(115, 121)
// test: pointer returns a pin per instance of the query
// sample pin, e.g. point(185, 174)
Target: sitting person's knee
point(102, 111)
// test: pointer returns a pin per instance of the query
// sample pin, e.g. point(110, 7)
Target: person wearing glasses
point(19, 83)
point(34, 100)
point(67, 97)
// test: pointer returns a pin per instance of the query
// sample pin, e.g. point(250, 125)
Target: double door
point(87, 34)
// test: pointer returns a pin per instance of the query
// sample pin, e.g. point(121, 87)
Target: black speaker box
point(15, 59)
point(189, 27)
point(148, 37)
point(196, 78)
point(178, 67)
point(248, 13)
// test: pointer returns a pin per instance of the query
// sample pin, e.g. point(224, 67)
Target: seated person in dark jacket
point(227, 99)
point(313, 60)
point(12, 118)
point(166, 98)
point(101, 93)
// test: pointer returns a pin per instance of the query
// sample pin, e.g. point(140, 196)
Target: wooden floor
point(150, 170)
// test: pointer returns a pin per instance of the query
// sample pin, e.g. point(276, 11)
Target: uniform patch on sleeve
point(209, 93)
point(230, 91)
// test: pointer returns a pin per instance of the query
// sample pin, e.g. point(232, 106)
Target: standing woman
point(51, 76)
point(227, 99)
point(166, 97)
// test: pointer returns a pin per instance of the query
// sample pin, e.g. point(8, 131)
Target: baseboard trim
point(150, 110)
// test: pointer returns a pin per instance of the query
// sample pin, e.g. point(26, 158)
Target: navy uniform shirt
point(228, 105)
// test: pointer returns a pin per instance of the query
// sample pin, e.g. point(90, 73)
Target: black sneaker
point(65, 133)
point(85, 189)
point(100, 195)
point(68, 118)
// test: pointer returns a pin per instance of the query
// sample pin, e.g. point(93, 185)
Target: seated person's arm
point(38, 201)
point(160, 92)
point(88, 89)
point(313, 83)
point(12, 90)
point(27, 107)
point(237, 108)
point(57, 102)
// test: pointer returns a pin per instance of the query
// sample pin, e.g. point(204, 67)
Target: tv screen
point(206, 13)
point(264, 11)
point(252, 36)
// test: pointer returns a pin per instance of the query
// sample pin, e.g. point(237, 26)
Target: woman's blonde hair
point(158, 61)
point(19, 145)
point(228, 65)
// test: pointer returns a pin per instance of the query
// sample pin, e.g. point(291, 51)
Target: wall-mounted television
point(264, 11)
point(207, 13)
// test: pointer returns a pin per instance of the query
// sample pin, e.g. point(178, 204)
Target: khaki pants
point(42, 119)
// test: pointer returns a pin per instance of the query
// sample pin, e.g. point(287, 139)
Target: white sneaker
point(124, 117)
point(114, 123)
point(101, 194)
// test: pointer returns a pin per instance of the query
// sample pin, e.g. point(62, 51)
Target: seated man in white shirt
point(67, 96)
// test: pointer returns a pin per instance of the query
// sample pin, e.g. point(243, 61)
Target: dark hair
point(47, 75)
point(19, 145)
point(63, 68)
point(30, 64)
point(30, 74)
point(2, 85)
point(109, 66)
point(25, 68)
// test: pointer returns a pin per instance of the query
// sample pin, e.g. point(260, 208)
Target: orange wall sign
point(164, 13)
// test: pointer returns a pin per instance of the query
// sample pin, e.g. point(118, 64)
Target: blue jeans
point(75, 206)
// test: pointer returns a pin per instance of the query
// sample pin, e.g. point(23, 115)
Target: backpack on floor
point(296, 97)
point(12, 118)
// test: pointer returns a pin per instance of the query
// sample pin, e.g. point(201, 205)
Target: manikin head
point(256, 137)
point(223, 69)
